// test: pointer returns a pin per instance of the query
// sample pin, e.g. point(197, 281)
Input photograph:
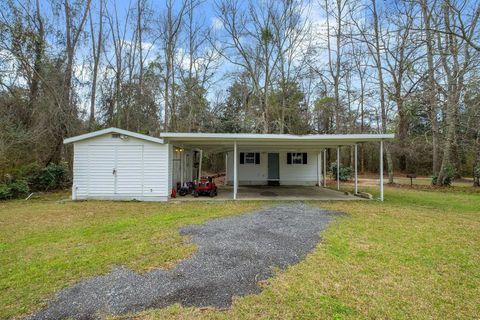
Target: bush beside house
point(32, 178)
point(345, 173)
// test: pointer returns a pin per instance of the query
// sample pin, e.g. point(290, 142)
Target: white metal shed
point(116, 164)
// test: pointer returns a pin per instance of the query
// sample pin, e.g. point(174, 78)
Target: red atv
point(205, 187)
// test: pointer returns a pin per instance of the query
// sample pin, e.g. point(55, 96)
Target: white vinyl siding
point(298, 174)
point(80, 171)
point(155, 170)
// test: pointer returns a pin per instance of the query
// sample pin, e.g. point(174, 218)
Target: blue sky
point(204, 14)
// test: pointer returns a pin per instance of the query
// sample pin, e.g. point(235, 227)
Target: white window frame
point(296, 158)
point(249, 159)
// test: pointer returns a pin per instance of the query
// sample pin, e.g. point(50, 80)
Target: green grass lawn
point(47, 244)
point(417, 255)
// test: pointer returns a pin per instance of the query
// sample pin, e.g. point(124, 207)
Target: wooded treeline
point(409, 67)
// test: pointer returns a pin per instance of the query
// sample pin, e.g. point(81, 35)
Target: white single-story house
point(117, 164)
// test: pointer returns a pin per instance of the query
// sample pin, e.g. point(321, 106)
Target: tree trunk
point(68, 111)
point(96, 50)
point(140, 11)
point(38, 60)
point(382, 89)
point(431, 87)
point(476, 164)
point(402, 134)
point(362, 158)
point(447, 148)
point(455, 72)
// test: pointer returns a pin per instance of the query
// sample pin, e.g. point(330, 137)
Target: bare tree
point(75, 16)
point(335, 62)
point(197, 66)
point(293, 46)
point(373, 42)
point(97, 44)
point(169, 33)
point(274, 66)
point(455, 59)
point(118, 33)
point(249, 43)
point(359, 55)
point(401, 47)
point(431, 87)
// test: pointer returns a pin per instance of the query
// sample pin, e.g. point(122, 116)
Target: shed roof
point(94, 134)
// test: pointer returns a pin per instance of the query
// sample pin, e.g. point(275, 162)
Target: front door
point(273, 169)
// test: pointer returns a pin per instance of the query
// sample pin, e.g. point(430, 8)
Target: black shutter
point(289, 158)
point(304, 158)
point(242, 157)
point(257, 158)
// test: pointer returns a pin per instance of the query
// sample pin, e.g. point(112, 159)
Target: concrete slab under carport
point(275, 193)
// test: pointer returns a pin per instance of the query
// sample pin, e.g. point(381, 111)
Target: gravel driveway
point(233, 254)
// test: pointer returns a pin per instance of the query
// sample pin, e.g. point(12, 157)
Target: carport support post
point(381, 170)
point(325, 168)
point(200, 165)
point(338, 168)
point(182, 158)
point(356, 173)
point(225, 180)
point(235, 170)
point(319, 168)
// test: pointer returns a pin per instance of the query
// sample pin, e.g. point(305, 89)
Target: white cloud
point(216, 23)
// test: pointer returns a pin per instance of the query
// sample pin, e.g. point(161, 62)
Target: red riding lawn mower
point(205, 187)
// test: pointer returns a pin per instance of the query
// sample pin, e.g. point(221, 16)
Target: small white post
point(356, 173)
point(381, 170)
point(200, 166)
point(325, 168)
point(235, 170)
point(181, 167)
point(225, 180)
point(319, 168)
point(338, 168)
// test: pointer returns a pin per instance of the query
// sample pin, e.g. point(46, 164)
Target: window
point(297, 158)
point(249, 158)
